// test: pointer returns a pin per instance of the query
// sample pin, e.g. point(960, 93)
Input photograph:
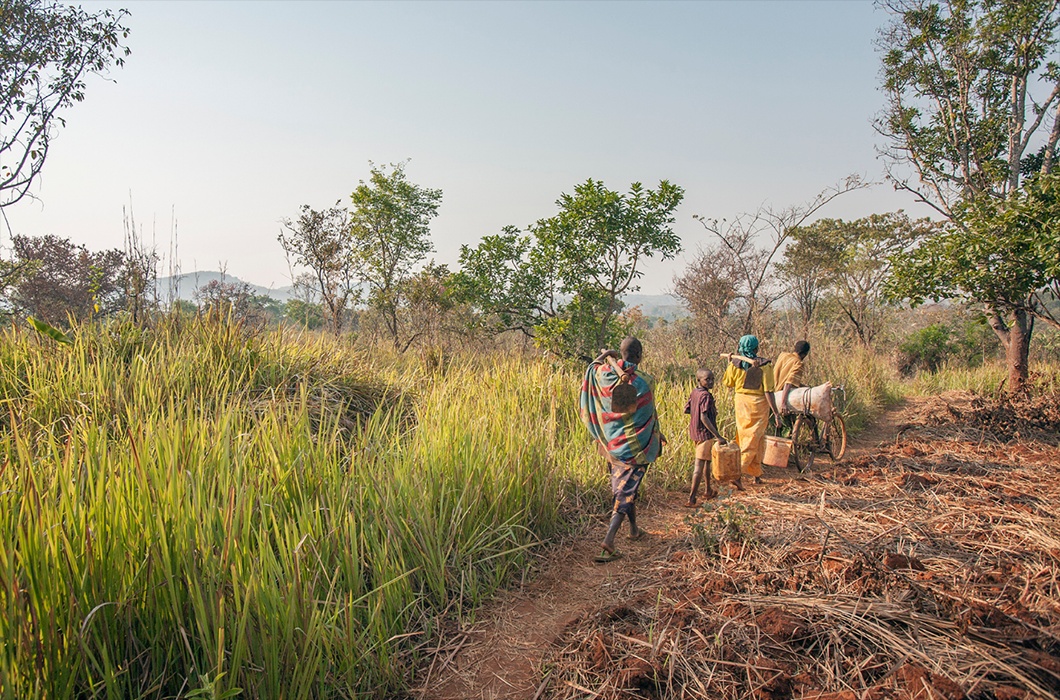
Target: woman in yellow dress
point(752, 403)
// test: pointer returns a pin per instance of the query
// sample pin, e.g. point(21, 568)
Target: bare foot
point(692, 502)
point(711, 493)
point(739, 484)
point(758, 480)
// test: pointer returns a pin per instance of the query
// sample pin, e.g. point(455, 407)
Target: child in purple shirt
point(703, 429)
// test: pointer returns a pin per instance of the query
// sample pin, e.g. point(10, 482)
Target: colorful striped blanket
point(633, 438)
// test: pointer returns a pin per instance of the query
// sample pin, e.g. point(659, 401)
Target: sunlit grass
point(196, 510)
point(986, 379)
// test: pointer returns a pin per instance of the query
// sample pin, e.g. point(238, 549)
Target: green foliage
point(847, 263)
point(577, 330)
point(510, 280)
point(958, 345)
point(47, 50)
point(1004, 254)
point(182, 308)
point(962, 79)
point(717, 522)
point(561, 282)
point(48, 331)
point(969, 85)
point(925, 349)
point(303, 314)
point(390, 232)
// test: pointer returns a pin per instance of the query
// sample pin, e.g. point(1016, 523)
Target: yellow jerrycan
point(725, 461)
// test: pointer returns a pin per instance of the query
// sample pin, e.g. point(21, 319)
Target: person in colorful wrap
point(753, 402)
point(629, 441)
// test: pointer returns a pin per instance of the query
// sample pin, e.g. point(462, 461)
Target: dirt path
point(566, 596)
point(499, 656)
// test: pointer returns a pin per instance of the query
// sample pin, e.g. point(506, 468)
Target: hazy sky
point(232, 114)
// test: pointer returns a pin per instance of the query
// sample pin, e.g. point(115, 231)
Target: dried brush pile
point(1015, 418)
point(1002, 417)
point(927, 569)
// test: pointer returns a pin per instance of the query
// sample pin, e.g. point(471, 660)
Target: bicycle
point(811, 436)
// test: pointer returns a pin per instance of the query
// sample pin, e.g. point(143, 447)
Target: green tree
point(390, 230)
point(600, 238)
point(806, 269)
point(47, 51)
point(1005, 255)
point(509, 282)
point(969, 88)
point(302, 313)
point(320, 241)
point(849, 261)
point(562, 280)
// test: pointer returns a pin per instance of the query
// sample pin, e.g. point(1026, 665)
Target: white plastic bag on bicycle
point(813, 401)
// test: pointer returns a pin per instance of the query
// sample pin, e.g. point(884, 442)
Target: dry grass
point(926, 568)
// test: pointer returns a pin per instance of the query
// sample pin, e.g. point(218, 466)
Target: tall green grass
point(191, 510)
point(986, 379)
point(195, 512)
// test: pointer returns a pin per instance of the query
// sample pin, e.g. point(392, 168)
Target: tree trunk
point(1018, 350)
point(1015, 336)
point(601, 336)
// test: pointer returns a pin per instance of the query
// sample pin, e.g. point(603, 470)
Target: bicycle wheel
point(803, 440)
point(835, 443)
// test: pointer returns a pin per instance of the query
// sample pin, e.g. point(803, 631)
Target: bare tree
point(709, 288)
point(139, 279)
point(320, 241)
point(751, 243)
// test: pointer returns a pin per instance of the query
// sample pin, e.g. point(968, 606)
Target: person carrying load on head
point(617, 405)
point(751, 379)
point(788, 373)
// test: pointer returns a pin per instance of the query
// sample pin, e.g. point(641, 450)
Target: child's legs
point(697, 476)
point(704, 451)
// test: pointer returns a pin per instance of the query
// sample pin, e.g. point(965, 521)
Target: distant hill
point(183, 287)
point(657, 305)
